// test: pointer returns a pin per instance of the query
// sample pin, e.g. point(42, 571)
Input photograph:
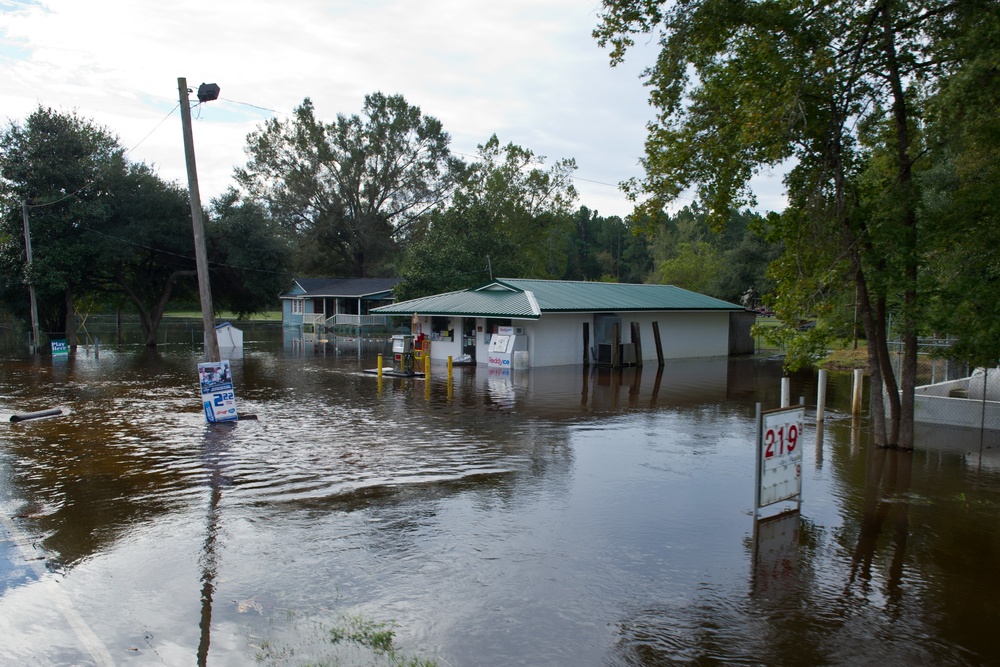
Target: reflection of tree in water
point(886, 485)
point(96, 472)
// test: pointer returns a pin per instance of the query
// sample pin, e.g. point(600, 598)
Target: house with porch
point(320, 304)
point(555, 323)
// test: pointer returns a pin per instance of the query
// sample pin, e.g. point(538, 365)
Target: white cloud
point(528, 71)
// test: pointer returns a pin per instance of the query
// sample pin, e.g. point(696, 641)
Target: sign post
point(59, 347)
point(779, 456)
point(217, 396)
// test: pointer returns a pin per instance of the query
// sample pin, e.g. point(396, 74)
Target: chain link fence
point(949, 393)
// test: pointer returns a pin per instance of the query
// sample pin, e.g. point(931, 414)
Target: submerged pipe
point(25, 416)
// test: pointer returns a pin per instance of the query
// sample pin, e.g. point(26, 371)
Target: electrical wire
point(106, 169)
point(222, 265)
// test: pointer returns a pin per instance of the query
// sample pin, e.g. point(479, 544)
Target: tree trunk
point(150, 318)
point(900, 115)
point(868, 322)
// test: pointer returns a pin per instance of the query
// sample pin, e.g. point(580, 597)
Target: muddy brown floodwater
point(548, 517)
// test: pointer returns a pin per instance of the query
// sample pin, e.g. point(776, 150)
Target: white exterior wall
point(688, 335)
point(557, 339)
point(442, 349)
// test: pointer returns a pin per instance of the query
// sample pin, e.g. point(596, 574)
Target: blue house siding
point(331, 296)
point(288, 318)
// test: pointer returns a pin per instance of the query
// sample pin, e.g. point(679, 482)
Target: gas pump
point(402, 353)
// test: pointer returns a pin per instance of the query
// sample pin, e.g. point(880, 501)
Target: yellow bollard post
point(427, 374)
point(380, 366)
point(449, 378)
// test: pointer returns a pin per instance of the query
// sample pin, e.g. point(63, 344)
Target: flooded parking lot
point(562, 516)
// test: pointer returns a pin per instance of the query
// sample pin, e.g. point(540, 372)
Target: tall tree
point(58, 163)
point(348, 191)
point(109, 231)
point(962, 189)
point(250, 260)
point(742, 86)
point(724, 264)
point(509, 214)
point(145, 245)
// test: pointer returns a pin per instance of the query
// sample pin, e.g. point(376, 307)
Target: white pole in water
point(821, 395)
point(786, 384)
point(859, 375)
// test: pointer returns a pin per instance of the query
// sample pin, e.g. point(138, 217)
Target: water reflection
point(885, 500)
point(557, 516)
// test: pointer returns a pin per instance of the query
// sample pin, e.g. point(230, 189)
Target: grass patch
point(846, 359)
point(350, 640)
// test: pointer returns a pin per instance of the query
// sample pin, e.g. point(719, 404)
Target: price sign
point(780, 455)
point(217, 396)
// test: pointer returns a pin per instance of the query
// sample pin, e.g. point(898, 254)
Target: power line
point(181, 256)
point(103, 172)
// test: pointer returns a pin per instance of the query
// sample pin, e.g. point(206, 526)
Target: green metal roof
point(571, 296)
point(528, 299)
point(498, 302)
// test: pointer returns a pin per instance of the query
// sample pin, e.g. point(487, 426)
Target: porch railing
point(314, 319)
point(357, 320)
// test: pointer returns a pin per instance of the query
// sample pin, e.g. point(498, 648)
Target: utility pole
point(200, 253)
point(31, 287)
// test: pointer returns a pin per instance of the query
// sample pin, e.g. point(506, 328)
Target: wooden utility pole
point(200, 253)
point(31, 287)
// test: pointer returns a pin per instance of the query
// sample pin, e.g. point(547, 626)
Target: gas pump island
point(402, 354)
point(404, 359)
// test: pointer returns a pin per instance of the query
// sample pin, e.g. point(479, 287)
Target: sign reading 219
point(781, 455)
point(217, 396)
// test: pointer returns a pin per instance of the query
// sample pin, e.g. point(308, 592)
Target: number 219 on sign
point(781, 439)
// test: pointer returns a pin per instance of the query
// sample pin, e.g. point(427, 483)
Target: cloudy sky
point(527, 70)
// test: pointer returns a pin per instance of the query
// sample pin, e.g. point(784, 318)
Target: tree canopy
point(347, 192)
point(109, 231)
point(508, 217)
point(838, 92)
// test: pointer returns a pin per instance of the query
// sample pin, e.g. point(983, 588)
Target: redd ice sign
point(217, 395)
point(779, 455)
point(501, 346)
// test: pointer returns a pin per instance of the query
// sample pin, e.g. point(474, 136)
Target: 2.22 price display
point(217, 396)
point(781, 455)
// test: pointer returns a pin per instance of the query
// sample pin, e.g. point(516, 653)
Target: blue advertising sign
point(217, 396)
point(59, 348)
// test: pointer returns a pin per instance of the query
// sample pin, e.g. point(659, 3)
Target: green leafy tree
point(724, 263)
point(509, 217)
point(694, 267)
point(839, 88)
point(250, 259)
point(463, 248)
point(145, 244)
point(58, 164)
point(347, 192)
point(107, 231)
point(961, 192)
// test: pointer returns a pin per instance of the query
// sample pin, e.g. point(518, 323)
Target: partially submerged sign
point(217, 395)
point(779, 455)
point(59, 348)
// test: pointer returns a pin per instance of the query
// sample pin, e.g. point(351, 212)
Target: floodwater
point(546, 517)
